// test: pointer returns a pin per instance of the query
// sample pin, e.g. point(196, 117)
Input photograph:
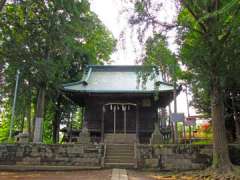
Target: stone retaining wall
point(57, 155)
point(161, 157)
point(179, 157)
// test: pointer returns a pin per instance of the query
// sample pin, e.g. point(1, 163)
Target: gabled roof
point(119, 79)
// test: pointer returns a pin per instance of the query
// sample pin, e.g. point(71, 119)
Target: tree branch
point(186, 5)
point(2, 3)
point(225, 37)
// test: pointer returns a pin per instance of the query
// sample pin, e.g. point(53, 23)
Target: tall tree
point(50, 42)
point(208, 32)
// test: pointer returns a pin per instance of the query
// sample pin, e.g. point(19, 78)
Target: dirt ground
point(73, 175)
point(102, 175)
point(58, 175)
point(138, 175)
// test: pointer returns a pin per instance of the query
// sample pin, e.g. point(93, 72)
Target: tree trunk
point(34, 118)
point(221, 160)
point(56, 122)
point(28, 116)
point(236, 119)
point(2, 3)
point(22, 118)
point(39, 116)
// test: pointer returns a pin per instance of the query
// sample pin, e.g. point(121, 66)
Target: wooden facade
point(120, 112)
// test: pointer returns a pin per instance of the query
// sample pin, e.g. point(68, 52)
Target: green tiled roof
point(119, 79)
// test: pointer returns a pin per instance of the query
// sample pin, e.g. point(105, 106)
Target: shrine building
point(120, 101)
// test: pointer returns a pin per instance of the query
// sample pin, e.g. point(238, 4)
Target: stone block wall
point(180, 157)
point(159, 157)
point(57, 155)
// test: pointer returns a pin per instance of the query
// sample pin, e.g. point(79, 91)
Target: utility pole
point(14, 105)
point(175, 101)
point(190, 129)
point(175, 111)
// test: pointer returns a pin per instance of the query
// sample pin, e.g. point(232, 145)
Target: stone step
point(121, 145)
point(114, 154)
point(120, 165)
point(120, 156)
point(120, 138)
point(126, 158)
point(120, 150)
point(119, 161)
point(130, 147)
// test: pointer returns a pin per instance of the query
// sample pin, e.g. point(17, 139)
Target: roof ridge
point(112, 65)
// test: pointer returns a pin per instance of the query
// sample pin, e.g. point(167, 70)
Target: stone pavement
point(119, 174)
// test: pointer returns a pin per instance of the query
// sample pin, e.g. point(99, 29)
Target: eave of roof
point(83, 84)
point(109, 91)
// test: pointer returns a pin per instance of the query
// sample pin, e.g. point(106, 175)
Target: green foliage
point(77, 119)
point(208, 46)
point(202, 142)
point(139, 7)
point(50, 42)
point(150, 30)
point(4, 126)
point(209, 51)
point(158, 54)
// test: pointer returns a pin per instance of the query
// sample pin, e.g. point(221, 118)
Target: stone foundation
point(57, 155)
point(157, 157)
point(180, 157)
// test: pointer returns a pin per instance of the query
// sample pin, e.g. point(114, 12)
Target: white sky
point(109, 13)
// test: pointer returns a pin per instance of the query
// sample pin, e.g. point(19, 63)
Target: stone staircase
point(120, 138)
point(120, 155)
point(119, 150)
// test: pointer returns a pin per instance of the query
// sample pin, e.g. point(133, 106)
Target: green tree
point(50, 42)
point(209, 33)
point(208, 37)
point(158, 54)
point(151, 33)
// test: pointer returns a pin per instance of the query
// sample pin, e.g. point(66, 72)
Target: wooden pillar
point(137, 122)
point(158, 119)
point(114, 119)
point(71, 119)
point(125, 119)
point(84, 116)
point(102, 124)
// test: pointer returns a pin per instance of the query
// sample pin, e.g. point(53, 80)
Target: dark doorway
point(120, 118)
